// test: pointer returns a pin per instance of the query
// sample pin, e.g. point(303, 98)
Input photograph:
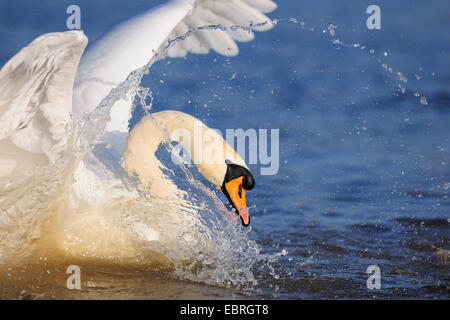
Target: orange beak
point(236, 193)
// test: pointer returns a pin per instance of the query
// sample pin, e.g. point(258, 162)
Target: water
point(364, 151)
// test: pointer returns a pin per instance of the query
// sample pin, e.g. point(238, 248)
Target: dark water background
point(364, 168)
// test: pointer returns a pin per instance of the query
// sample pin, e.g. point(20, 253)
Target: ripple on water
point(369, 228)
point(423, 222)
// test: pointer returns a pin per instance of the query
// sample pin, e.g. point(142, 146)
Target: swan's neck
point(207, 149)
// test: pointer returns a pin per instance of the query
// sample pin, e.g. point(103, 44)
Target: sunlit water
point(363, 179)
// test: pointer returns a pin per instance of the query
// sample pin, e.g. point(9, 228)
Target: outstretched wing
point(36, 96)
point(234, 15)
point(132, 44)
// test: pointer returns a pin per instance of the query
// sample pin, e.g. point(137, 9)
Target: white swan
point(37, 114)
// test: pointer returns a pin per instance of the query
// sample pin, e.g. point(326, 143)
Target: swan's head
point(238, 179)
point(216, 160)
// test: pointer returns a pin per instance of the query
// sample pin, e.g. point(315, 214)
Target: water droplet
point(423, 101)
point(332, 28)
point(402, 77)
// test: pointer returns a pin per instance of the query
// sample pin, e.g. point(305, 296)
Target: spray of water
point(198, 241)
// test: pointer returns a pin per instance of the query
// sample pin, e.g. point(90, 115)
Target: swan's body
point(36, 117)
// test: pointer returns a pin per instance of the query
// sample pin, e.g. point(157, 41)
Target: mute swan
point(37, 115)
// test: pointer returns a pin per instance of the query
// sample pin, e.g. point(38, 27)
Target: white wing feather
point(36, 94)
point(132, 44)
point(226, 13)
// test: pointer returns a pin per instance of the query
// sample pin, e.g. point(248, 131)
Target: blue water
point(364, 168)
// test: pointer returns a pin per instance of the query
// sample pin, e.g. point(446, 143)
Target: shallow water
point(364, 168)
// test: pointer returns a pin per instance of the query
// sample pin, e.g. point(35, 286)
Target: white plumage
point(36, 103)
point(36, 93)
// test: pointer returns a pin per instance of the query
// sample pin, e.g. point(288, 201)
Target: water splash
point(338, 42)
point(200, 243)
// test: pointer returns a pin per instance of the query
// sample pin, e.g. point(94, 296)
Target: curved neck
point(206, 147)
